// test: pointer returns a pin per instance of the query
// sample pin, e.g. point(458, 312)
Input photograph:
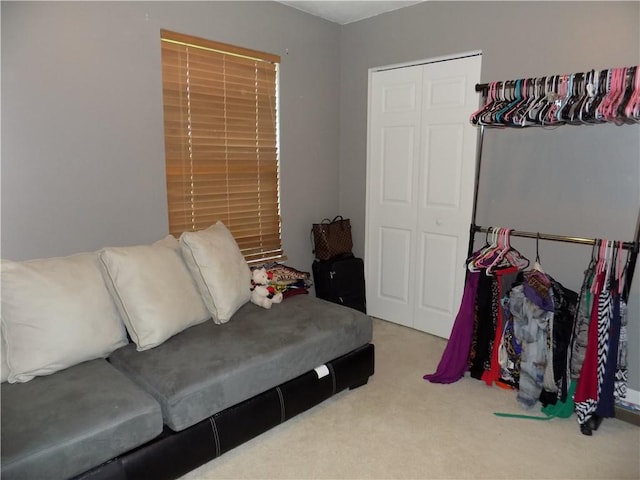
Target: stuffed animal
point(263, 293)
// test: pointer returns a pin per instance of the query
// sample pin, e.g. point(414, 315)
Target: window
point(221, 148)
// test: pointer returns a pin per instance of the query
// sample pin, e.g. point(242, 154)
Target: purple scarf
point(453, 363)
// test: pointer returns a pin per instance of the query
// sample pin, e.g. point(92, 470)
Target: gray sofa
point(158, 412)
point(62, 425)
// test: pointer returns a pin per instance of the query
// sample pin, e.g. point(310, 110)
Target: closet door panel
point(394, 133)
point(448, 89)
point(446, 171)
point(397, 165)
point(393, 277)
point(436, 282)
point(442, 160)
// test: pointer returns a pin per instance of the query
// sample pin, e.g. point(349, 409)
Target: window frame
point(247, 163)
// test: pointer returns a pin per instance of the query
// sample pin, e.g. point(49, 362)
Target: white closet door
point(421, 169)
point(394, 149)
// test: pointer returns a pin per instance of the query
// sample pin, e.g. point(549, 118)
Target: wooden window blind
point(221, 148)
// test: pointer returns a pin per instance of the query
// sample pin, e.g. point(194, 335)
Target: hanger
point(518, 117)
point(591, 90)
point(634, 98)
point(621, 97)
point(484, 116)
point(632, 111)
point(536, 264)
point(570, 98)
point(475, 116)
point(595, 114)
point(599, 86)
point(581, 95)
point(514, 116)
point(501, 116)
point(499, 103)
point(609, 263)
point(474, 264)
point(618, 267)
point(609, 105)
point(551, 116)
point(628, 95)
point(601, 265)
point(487, 253)
point(531, 116)
point(573, 96)
point(625, 272)
point(507, 256)
point(547, 114)
point(475, 254)
point(504, 246)
point(516, 259)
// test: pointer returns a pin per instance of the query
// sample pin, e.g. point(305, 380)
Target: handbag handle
point(326, 220)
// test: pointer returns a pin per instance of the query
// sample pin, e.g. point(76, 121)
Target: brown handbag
point(332, 238)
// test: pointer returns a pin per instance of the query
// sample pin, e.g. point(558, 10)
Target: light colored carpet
point(400, 426)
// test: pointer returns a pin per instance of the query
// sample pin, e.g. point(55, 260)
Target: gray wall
point(82, 132)
point(581, 181)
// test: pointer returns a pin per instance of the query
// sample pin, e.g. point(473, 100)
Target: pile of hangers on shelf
point(605, 96)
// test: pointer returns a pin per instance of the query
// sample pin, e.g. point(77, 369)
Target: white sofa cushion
point(56, 313)
point(219, 269)
point(153, 290)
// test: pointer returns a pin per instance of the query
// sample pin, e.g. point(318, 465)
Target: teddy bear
point(262, 293)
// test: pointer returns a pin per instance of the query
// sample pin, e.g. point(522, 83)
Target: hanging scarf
point(453, 363)
point(586, 396)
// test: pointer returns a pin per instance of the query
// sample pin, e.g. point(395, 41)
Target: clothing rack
point(627, 112)
point(633, 246)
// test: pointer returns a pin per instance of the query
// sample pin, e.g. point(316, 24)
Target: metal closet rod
point(633, 246)
point(484, 87)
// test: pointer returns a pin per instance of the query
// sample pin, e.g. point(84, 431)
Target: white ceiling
point(348, 11)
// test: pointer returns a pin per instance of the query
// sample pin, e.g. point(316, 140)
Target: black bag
point(332, 238)
point(341, 280)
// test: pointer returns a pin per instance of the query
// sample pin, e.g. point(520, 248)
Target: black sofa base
point(173, 454)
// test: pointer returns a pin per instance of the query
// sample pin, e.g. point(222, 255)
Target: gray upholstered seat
point(210, 367)
point(60, 425)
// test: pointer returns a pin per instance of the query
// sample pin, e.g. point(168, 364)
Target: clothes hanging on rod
point(520, 328)
point(596, 96)
point(540, 312)
point(633, 247)
point(485, 340)
point(599, 361)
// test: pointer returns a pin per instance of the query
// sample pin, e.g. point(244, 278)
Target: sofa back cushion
point(56, 312)
point(153, 290)
point(4, 368)
point(219, 269)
